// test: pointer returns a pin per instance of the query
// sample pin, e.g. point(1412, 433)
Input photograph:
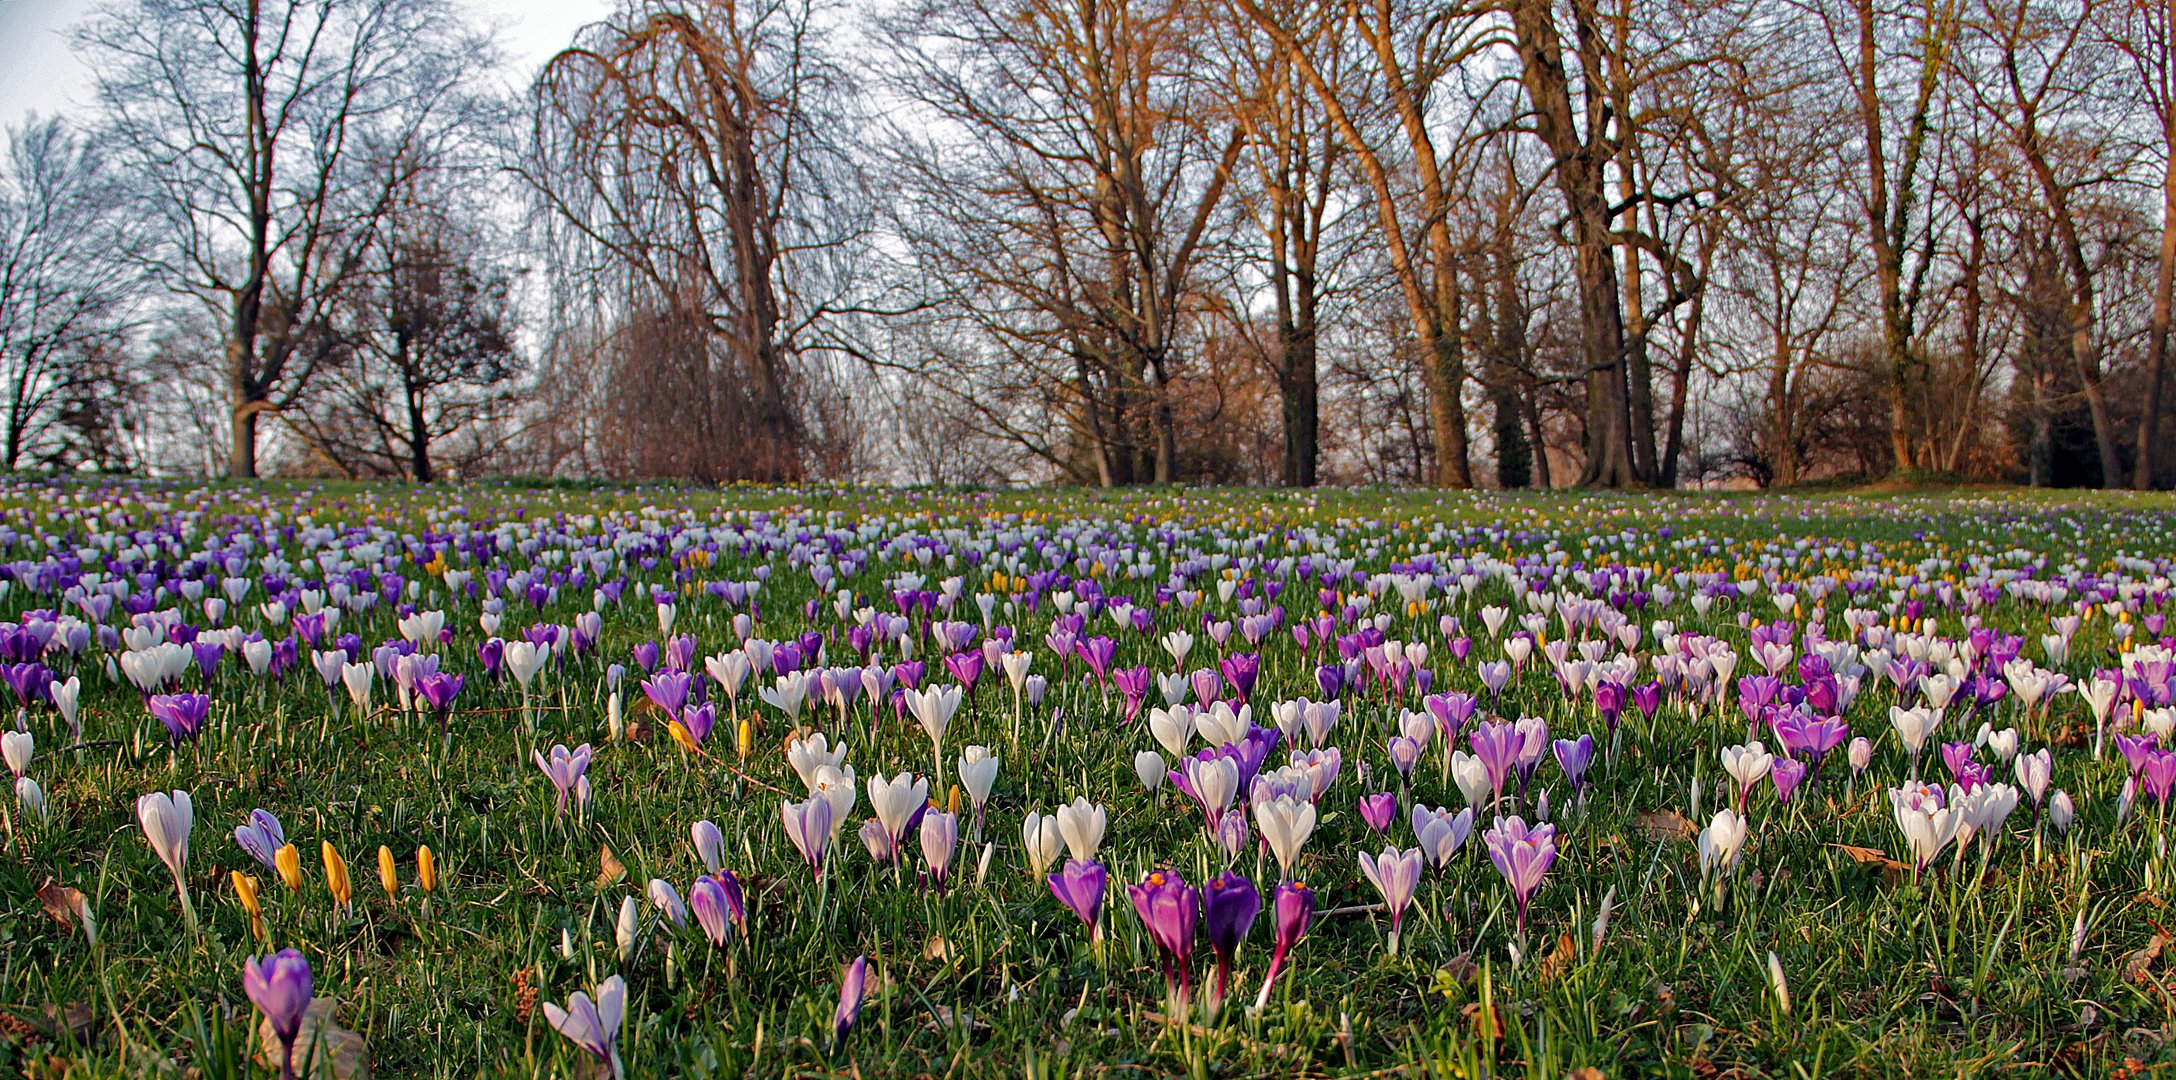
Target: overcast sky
point(37, 73)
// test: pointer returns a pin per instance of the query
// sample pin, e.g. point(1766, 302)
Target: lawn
point(1212, 671)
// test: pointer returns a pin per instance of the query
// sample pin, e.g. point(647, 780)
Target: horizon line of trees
point(1520, 243)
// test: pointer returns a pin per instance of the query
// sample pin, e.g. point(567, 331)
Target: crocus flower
point(1285, 823)
point(17, 748)
point(1168, 908)
point(1293, 906)
point(262, 837)
point(978, 773)
point(565, 769)
point(183, 714)
point(166, 820)
point(1523, 856)
point(1229, 904)
point(1574, 756)
point(808, 825)
point(709, 844)
point(1395, 874)
point(1080, 886)
point(933, 709)
point(853, 987)
point(940, 840)
point(1081, 824)
point(1496, 746)
point(897, 801)
point(1786, 773)
point(594, 1026)
point(280, 986)
point(707, 900)
point(1379, 810)
point(1040, 841)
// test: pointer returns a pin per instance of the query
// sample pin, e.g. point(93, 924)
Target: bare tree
point(696, 160)
point(2036, 69)
point(66, 282)
point(430, 379)
point(1069, 179)
point(2147, 36)
point(266, 139)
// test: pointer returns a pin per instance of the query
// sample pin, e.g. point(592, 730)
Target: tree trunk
point(2164, 290)
point(242, 449)
point(1580, 177)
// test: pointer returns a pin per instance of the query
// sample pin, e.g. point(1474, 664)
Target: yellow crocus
point(336, 875)
point(245, 888)
point(426, 870)
point(388, 874)
point(288, 862)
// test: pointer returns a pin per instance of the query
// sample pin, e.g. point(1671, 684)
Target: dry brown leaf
point(609, 870)
point(329, 1050)
point(64, 904)
point(77, 1019)
point(1461, 968)
point(1562, 957)
point(1664, 825)
point(1485, 1024)
point(2140, 963)
point(1586, 1072)
point(1890, 868)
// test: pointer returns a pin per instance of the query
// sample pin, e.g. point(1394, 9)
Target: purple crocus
point(1395, 874)
point(668, 690)
point(1168, 908)
point(853, 988)
point(1574, 756)
point(1080, 886)
point(808, 825)
point(594, 1026)
point(280, 985)
point(2159, 776)
point(1497, 744)
point(713, 912)
point(262, 837)
point(1229, 904)
point(1134, 683)
point(1379, 810)
point(564, 768)
point(1241, 670)
point(183, 714)
point(1786, 772)
point(1293, 906)
point(1523, 856)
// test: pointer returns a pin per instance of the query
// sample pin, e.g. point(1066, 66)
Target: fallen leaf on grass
point(1554, 963)
point(1664, 825)
point(2140, 963)
point(64, 904)
point(609, 870)
point(1891, 870)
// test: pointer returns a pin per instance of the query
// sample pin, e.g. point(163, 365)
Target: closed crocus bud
point(1232, 835)
point(288, 862)
point(426, 871)
point(1861, 754)
point(336, 875)
point(624, 931)
point(388, 874)
point(32, 797)
point(1149, 766)
point(2060, 811)
point(245, 889)
point(978, 770)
